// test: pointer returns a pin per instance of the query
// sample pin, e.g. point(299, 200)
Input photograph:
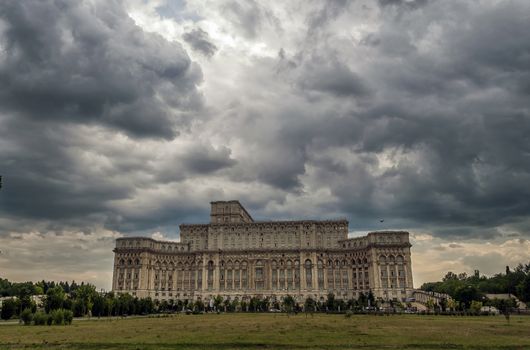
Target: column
point(325, 276)
point(314, 272)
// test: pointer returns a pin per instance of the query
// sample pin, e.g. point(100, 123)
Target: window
point(199, 276)
point(320, 266)
point(296, 274)
point(308, 274)
point(244, 275)
point(210, 275)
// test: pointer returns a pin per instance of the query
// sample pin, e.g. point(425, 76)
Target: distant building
point(507, 296)
point(237, 257)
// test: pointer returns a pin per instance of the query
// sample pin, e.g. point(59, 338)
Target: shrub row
point(55, 317)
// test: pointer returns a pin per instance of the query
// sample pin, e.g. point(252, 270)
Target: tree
point(84, 295)
point(227, 304)
point(146, 306)
point(467, 294)
point(98, 306)
point(288, 303)
point(58, 316)
point(78, 308)
point(503, 305)
point(124, 305)
point(362, 300)
point(244, 306)
point(340, 305)
point(26, 316)
point(309, 305)
point(475, 306)
point(9, 308)
point(164, 306)
point(523, 289)
point(5, 288)
point(330, 302)
point(450, 276)
point(264, 304)
point(254, 304)
point(199, 305)
point(217, 301)
point(351, 304)
point(54, 299)
point(68, 316)
point(179, 305)
point(236, 305)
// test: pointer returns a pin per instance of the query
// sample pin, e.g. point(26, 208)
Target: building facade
point(237, 257)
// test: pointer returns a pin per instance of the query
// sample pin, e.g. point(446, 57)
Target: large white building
point(235, 256)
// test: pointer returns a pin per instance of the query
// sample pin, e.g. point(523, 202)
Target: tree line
point(62, 301)
point(466, 289)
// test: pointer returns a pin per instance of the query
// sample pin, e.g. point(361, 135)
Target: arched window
point(320, 267)
point(274, 274)
point(289, 274)
point(210, 275)
point(259, 275)
point(236, 275)
point(199, 275)
point(296, 274)
point(308, 274)
point(244, 275)
point(229, 275)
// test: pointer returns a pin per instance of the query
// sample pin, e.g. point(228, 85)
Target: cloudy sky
point(122, 118)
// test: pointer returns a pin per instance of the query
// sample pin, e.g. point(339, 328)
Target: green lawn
point(276, 331)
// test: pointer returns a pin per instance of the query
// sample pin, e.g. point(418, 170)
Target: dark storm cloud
point(199, 40)
point(198, 159)
point(89, 63)
point(72, 74)
point(334, 78)
point(474, 164)
point(44, 177)
point(452, 118)
point(206, 159)
point(420, 118)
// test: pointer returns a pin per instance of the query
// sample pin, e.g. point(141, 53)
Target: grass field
point(275, 331)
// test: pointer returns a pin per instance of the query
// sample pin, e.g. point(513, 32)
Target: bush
point(40, 318)
point(49, 319)
point(26, 316)
point(58, 317)
point(68, 316)
point(9, 308)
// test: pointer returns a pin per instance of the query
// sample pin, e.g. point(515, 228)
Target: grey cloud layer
point(82, 62)
point(412, 111)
